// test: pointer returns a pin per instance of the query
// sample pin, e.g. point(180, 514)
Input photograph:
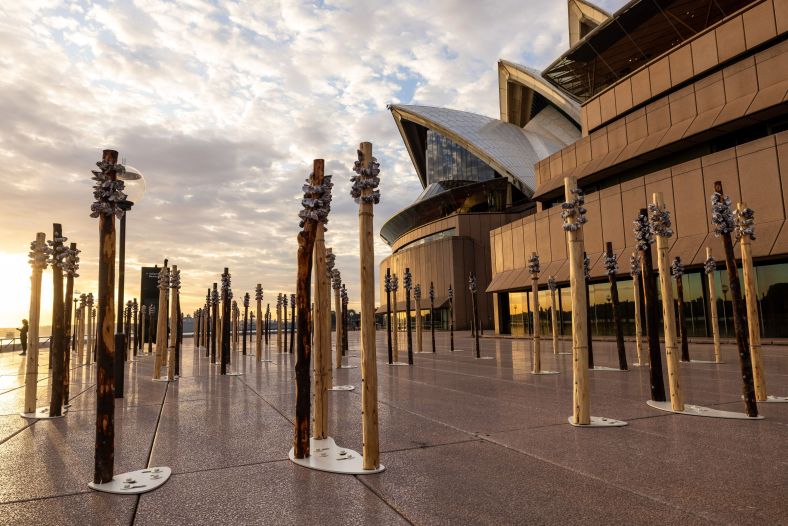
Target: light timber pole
point(336, 285)
point(38, 262)
point(710, 267)
point(161, 323)
point(634, 271)
point(551, 284)
point(175, 285)
point(258, 348)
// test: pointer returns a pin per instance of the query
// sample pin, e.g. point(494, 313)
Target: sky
point(223, 105)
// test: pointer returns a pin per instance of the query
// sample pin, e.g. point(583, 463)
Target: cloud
point(223, 105)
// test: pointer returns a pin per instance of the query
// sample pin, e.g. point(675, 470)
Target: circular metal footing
point(774, 400)
point(705, 361)
point(42, 413)
point(326, 455)
point(457, 350)
point(600, 421)
point(564, 353)
point(164, 379)
point(266, 361)
point(698, 410)
point(544, 372)
point(640, 364)
point(342, 388)
point(134, 482)
point(349, 367)
point(603, 368)
point(233, 374)
point(392, 364)
point(485, 358)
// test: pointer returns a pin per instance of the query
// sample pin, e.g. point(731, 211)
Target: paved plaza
point(464, 441)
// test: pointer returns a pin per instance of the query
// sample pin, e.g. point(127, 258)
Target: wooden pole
point(246, 322)
point(343, 295)
point(634, 271)
point(722, 218)
point(38, 262)
point(175, 283)
point(227, 296)
point(258, 347)
point(533, 269)
point(419, 325)
point(161, 324)
point(408, 283)
point(71, 267)
point(677, 271)
point(105, 349)
point(320, 396)
point(58, 253)
point(328, 372)
point(364, 190)
point(745, 232)
point(587, 275)
point(709, 267)
point(143, 324)
point(215, 322)
point(279, 323)
point(292, 321)
point(151, 315)
point(395, 327)
point(81, 329)
point(611, 265)
point(573, 223)
point(660, 224)
point(388, 314)
point(432, 315)
point(134, 308)
point(90, 314)
point(336, 284)
point(284, 323)
point(553, 312)
point(451, 319)
point(312, 216)
point(475, 306)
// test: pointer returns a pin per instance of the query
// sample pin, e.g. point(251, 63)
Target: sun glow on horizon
point(15, 286)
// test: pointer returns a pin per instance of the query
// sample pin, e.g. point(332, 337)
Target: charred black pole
point(587, 273)
point(451, 319)
point(387, 285)
point(134, 308)
point(432, 314)
point(71, 266)
point(611, 266)
point(57, 254)
point(724, 225)
point(472, 288)
point(644, 236)
point(120, 337)
point(246, 321)
point(108, 191)
point(408, 283)
point(292, 321)
point(227, 296)
point(317, 195)
point(151, 319)
point(215, 326)
point(677, 271)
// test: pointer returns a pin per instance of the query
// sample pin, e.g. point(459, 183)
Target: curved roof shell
point(523, 93)
point(508, 149)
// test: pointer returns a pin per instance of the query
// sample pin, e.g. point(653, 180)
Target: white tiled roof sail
point(509, 149)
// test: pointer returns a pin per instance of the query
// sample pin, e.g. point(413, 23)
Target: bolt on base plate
point(600, 421)
point(698, 410)
point(134, 482)
point(326, 455)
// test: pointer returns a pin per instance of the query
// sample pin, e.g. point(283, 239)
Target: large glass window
point(772, 290)
point(447, 160)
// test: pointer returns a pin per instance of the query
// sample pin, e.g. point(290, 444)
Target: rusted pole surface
point(343, 295)
point(573, 214)
point(320, 396)
point(722, 218)
point(312, 216)
point(611, 266)
point(38, 262)
point(58, 253)
point(395, 317)
point(105, 191)
point(365, 192)
point(408, 284)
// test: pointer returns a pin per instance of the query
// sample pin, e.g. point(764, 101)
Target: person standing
point(23, 336)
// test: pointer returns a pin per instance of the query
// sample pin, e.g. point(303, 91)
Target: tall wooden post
point(234, 325)
point(246, 323)
point(408, 284)
point(745, 233)
point(344, 297)
point(710, 267)
point(475, 306)
point(227, 296)
point(722, 218)
point(258, 347)
point(58, 253)
point(336, 285)
point(364, 191)
point(134, 308)
point(314, 214)
point(214, 322)
point(143, 325)
point(574, 217)
point(451, 319)
point(106, 191)
point(38, 262)
point(395, 327)
point(634, 271)
point(534, 269)
point(611, 265)
point(71, 266)
point(151, 316)
point(677, 271)
point(89, 314)
point(284, 322)
point(320, 397)
point(161, 323)
point(587, 276)
point(279, 323)
point(292, 321)
point(419, 327)
point(551, 284)
point(328, 372)
point(175, 285)
point(432, 315)
point(387, 284)
point(267, 325)
point(660, 225)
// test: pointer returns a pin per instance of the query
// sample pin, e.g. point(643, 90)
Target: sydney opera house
point(660, 96)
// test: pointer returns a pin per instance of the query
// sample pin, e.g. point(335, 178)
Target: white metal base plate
point(640, 364)
point(545, 372)
point(457, 350)
point(326, 455)
point(603, 368)
point(698, 410)
point(233, 374)
point(486, 358)
point(705, 361)
point(164, 379)
point(600, 421)
point(342, 388)
point(352, 366)
point(135, 482)
point(774, 400)
point(564, 353)
point(392, 364)
point(42, 413)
